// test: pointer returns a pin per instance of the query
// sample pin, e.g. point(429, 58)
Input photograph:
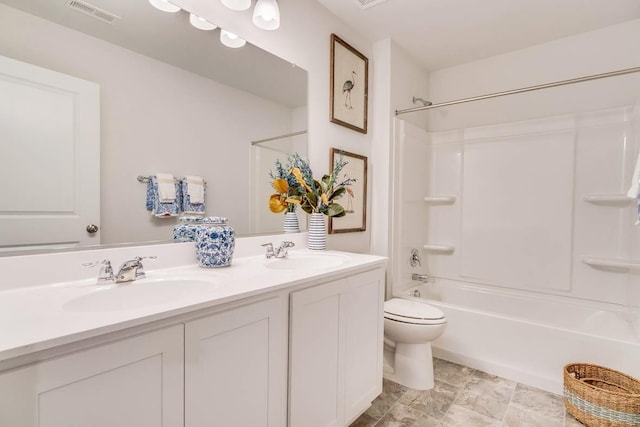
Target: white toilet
point(409, 328)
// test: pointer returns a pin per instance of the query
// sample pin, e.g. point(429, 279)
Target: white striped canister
point(291, 223)
point(317, 232)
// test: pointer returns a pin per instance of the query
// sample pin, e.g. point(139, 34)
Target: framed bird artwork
point(349, 85)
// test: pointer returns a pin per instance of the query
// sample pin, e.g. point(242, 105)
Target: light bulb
point(201, 23)
point(237, 4)
point(231, 40)
point(164, 6)
point(266, 15)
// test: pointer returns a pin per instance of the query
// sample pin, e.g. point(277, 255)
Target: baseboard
point(553, 385)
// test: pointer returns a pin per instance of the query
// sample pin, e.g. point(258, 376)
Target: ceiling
point(444, 33)
point(168, 37)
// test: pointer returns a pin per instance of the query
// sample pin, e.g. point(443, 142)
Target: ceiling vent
point(365, 4)
point(93, 11)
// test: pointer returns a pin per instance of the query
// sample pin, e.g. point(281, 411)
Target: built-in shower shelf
point(440, 200)
point(439, 249)
point(608, 199)
point(612, 263)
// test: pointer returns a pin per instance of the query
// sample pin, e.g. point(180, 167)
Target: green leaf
point(335, 210)
point(337, 193)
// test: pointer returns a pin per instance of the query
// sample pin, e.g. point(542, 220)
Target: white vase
point(291, 223)
point(317, 232)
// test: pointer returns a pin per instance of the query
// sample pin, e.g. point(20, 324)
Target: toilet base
point(412, 366)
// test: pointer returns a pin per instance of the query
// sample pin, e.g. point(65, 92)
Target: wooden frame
point(355, 199)
point(349, 86)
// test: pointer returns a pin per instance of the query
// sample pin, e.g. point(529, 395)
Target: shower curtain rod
point(522, 90)
point(273, 138)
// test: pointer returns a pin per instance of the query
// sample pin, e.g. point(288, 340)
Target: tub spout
point(420, 277)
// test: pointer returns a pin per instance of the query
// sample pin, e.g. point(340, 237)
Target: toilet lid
point(412, 310)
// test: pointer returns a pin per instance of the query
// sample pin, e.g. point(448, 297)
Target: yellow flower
point(281, 186)
point(324, 199)
point(277, 203)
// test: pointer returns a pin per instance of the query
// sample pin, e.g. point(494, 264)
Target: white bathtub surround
point(542, 267)
point(529, 337)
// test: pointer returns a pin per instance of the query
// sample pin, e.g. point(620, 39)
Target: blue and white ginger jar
point(215, 242)
point(185, 231)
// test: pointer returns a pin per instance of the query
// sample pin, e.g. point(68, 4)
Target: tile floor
point(466, 397)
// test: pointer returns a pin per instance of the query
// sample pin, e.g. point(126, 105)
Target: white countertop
point(36, 318)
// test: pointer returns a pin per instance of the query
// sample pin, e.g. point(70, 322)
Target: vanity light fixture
point(237, 4)
point(266, 15)
point(231, 40)
point(201, 23)
point(165, 6)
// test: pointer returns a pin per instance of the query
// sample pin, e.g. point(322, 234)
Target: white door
point(137, 382)
point(49, 158)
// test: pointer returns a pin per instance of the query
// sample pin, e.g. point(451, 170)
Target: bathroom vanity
point(277, 342)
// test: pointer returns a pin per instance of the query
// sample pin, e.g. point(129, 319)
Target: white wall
point(397, 79)
point(304, 39)
point(154, 118)
point(607, 49)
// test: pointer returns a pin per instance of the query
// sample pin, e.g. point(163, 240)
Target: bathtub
point(529, 337)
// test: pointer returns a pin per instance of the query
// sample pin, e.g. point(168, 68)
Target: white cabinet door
point(362, 307)
point(137, 382)
point(49, 157)
point(316, 391)
point(336, 350)
point(236, 367)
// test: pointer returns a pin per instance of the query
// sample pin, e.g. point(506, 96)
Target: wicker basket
point(601, 397)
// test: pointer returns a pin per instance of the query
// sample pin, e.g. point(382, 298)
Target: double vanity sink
point(182, 286)
point(293, 341)
point(37, 317)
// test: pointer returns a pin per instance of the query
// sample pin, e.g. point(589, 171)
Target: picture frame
point(349, 86)
point(354, 200)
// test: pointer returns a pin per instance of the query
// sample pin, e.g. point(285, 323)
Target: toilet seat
point(414, 312)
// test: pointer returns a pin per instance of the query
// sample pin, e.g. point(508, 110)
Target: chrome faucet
point(280, 252)
point(129, 270)
point(132, 270)
point(105, 275)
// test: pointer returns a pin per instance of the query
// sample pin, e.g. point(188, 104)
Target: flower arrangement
point(295, 185)
point(288, 191)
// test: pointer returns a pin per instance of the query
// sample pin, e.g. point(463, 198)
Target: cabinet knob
point(92, 228)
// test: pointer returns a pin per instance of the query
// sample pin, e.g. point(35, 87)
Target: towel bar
point(613, 263)
point(608, 199)
point(440, 200)
point(145, 179)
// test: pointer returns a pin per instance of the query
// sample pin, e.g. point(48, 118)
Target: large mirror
point(172, 99)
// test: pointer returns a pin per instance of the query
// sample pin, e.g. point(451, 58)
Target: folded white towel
point(195, 189)
point(634, 190)
point(166, 187)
